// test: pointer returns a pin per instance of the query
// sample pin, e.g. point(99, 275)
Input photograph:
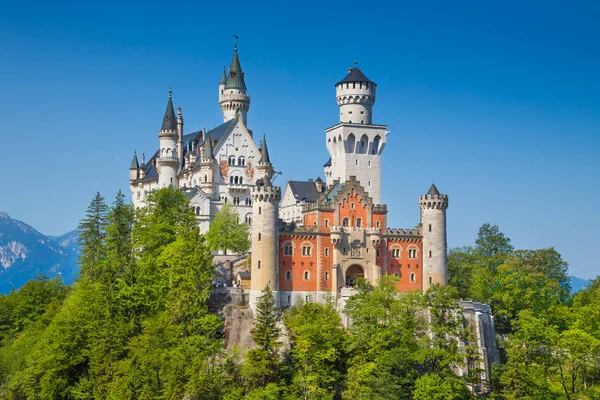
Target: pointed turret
point(134, 163)
point(207, 149)
point(433, 189)
point(232, 92)
point(168, 161)
point(133, 168)
point(169, 120)
point(264, 151)
point(223, 80)
point(236, 76)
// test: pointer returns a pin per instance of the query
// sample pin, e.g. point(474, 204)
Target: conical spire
point(264, 152)
point(134, 162)
point(236, 76)
point(207, 150)
point(223, 80)
point(169, 120)
point(433, 189)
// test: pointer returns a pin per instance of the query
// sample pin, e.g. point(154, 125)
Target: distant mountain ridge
point(26, 253)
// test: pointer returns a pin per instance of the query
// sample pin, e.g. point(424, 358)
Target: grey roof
point(134, 162)
point(223, 77)
point(169, 121)
point(236, 76)
point(207, 150)
point(244, 274)
point(355, 75)
point(264, 151)
point(433, 190)
point(328, 163)
point(304, 191)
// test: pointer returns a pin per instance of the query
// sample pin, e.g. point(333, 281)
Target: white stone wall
point(290, 210)
point(355, 100)
point(356, 150)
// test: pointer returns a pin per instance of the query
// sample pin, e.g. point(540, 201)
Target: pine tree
point(263, 363)
point(92, 232)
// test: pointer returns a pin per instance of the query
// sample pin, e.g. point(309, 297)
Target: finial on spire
point(355, 63)
point(235, 38)
point(143, 158)
point(170, 92)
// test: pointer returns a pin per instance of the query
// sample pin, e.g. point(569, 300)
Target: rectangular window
point(326, 252)
point(377, 253)
point(326, 276)
point(259, 265)
point(429, 227)
point(259, 236)
point(326, 223)
point(429, 253)
point(259, 210)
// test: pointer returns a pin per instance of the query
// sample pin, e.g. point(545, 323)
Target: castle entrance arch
point(352, 273)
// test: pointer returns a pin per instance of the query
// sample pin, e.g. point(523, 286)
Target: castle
point(319, 236)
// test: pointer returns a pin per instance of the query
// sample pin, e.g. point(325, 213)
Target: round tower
point(265, 231)
point(167, 161)
point(355, 96)
point(435, 247)
point(232, 95)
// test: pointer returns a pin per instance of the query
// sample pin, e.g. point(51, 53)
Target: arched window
point(306, 275)
point(235, 179)
point(248, 220)
point(231, 160)
point(288, 275)
point(231, 179)
point(413, 277)
point(306, 250)
point(375, 147)
point(350, 143)
point(241, 180)
point(363, 145)
point(288, 250)
point(205, 179)
point(412, 253)
point(242, 161)
point(396, 252)
point(345, 222)
point(197, 210)
point(358, 222)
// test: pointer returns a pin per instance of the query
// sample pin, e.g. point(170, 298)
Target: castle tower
point(208, 165)
point(134, 168)
point(232, 94)
point(265, 231)
point(167, 161)
point(435, 247)
point(356, 144)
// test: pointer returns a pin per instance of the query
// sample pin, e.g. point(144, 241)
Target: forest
point(137, 324)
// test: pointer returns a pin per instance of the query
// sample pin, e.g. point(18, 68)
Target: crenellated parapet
point(271, 194)
point(414, 233)
point(433, 201)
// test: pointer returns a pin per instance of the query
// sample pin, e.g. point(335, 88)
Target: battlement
point(271, 194)
point(433, 201)
point(400, 232)
point(293, 228)
point(167, 133)
point(235, 96)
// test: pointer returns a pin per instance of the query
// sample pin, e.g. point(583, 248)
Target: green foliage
point(318, 356)
point(434, 387)
point(226, 232)
point(92, 231)
point(263, 362)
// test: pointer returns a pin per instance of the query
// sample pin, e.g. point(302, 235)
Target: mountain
point(68, 241)
point(26, 253)
point(578, 284)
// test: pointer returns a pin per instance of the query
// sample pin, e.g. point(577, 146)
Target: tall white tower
point(232, 91)
point(265, 231)
point(168, 159)
point(355, 144)
point(435, 247)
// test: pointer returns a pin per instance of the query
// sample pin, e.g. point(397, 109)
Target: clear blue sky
point(499, 101)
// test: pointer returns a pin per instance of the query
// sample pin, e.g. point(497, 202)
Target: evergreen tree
point(92, 231)
point(263, 362)
point(226, 232)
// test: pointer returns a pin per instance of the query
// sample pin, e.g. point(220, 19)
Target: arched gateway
point(352, 273)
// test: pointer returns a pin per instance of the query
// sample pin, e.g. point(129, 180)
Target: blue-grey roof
point(223, 77)
point(433, 190)
point(264, 151)
point(236, 76)
point(328, 163)
point(169, 121)
point(304, 191)
point(355, 75)
point(134, 162)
